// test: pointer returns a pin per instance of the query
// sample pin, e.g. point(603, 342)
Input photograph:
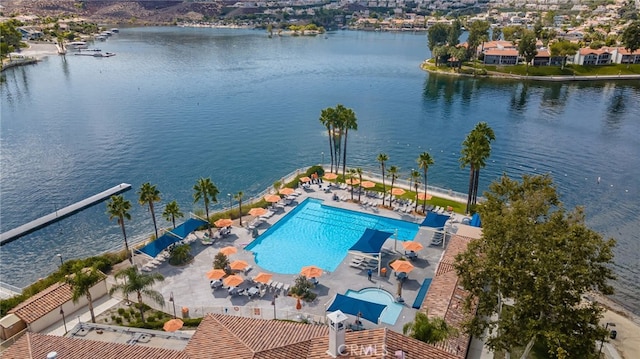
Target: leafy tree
point(352, 176)
point(382, 158)
point(81, 281)
point(171, 212)
point(527, 47)
point(11, 37)
point(631, 37)
point(138, 283)
point(221, 261)
point(543, 259)
point(455, 31)
point(393, 174)
point(119, 208)
point(439, 53)
point(205, 189)
point(512, 33)
point(416, 185)
point(476, 148)
point(459, 53)
point(301, 288)
point(438, 35)
point(496, 33)
point(564, 48)
point(478, 34)
point(424, 161)
point(431, 331)
point(147, 195)
point(238, 197)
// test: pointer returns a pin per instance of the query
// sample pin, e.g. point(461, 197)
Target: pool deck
point(190, 287)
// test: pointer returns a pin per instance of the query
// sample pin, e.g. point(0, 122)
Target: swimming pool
point(379, 296)
point(320, 235)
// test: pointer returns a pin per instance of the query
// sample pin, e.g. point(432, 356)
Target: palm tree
point(81, 282)
point(359, 173)
point(171, 212)
point(327, 118)
point(348, 121)
point(476, 148)
point(119, 208)
point(393, 174)
point(415, 180)
point(147, 195)
point(138, 283)
point(382, 158)
point(238, 197)
point(352, 175)
point(424, 161)
point(431, 331)
point(205, 189)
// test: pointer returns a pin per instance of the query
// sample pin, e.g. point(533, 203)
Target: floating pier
point(44, 221)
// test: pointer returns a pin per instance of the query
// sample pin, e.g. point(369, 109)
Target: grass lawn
point(569, 70)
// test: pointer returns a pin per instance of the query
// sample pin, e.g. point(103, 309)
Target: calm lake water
point(177, 104)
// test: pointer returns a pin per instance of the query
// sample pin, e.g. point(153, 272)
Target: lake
point(176, 104)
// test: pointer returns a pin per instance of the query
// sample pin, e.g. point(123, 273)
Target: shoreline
point(552, 78)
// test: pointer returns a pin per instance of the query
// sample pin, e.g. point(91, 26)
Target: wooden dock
point(44, 221)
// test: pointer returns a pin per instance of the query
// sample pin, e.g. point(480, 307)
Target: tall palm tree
point(424, 161)
point(327, 118)
point(476, 148)
point(119, 208)
point(352, 176)
point(238, 197)
point(147, 195)
point(348, 121)
point(415, 180)
point(382, 158)
point(81, 281)
point(205, 189)
point(393, 174)
point(359, 173)
point(171, 212)
point(138, 283)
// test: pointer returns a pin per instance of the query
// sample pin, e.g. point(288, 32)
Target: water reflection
point(616, 109)
point(519, 97)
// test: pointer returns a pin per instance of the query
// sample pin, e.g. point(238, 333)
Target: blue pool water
point(379, 296)
point(320, 235)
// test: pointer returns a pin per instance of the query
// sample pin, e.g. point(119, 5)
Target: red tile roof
point(501, 52)
point(42, 303)
point(497, 45)
point(37, 346)
point(586, 51)
point(445, 298)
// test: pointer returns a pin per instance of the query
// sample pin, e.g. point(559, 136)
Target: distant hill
point(154, 12)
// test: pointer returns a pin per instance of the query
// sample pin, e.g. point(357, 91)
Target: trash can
point(613, 334)
point(185, 312)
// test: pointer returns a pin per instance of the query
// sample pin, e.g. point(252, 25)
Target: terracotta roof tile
point(501, 52)
point(42, 303)
point(37, 346)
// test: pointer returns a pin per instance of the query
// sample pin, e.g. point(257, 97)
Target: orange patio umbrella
point(258, 211)
point(367, 184)
point(233, 280)
point(223, 222)
point(273, 198)
point(402, 266)
point(330, 176)
point(229, 250)
point(422, 197)
point(172, 325)
point(311, 271)
point(238, 265)
point(412, 246)
point(398, 191)
point(216, 274)
point(352, 181)
point(286, 191)
point(262, 278)
point(305, 179)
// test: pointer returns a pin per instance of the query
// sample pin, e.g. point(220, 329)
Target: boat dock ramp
point(44, 221)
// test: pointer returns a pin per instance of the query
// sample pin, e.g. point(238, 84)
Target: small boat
point(101, 38)
point(115, 30)
point(77, 45)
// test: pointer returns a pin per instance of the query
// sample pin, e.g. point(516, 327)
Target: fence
point(7, 343)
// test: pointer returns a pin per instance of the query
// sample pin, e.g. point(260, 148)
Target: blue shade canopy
point(367, 310)
point(180, 232)
point(187, 227)
point(435, 220)
point(371, 241)
point(475, 220)
point(421, 293)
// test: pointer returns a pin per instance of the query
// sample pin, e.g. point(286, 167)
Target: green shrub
point(118, 320)
point(314, 169)
point(126, 315)
point(121, 311)
point(113, 317)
